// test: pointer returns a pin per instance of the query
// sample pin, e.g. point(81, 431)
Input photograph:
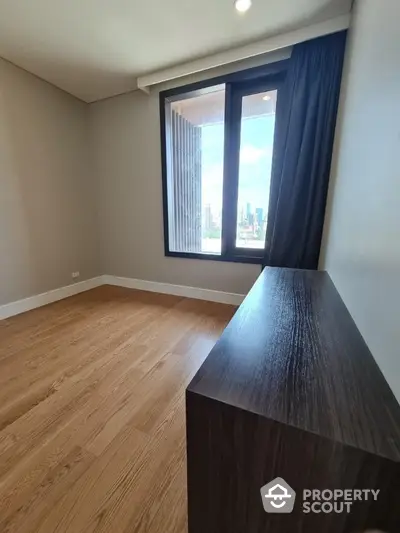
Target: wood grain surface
point(293, 354)
point(291, 390)
point(92, 416)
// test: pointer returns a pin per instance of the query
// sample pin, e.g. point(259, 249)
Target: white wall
point(47, 223)
point(362, 229)
point(126, 149)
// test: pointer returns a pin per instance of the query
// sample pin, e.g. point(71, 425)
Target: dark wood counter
point(291, 390)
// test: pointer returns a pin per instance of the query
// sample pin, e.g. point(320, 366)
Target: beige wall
point(56, 214)
point(47, 225)
point(125, 134)
point(362, 230)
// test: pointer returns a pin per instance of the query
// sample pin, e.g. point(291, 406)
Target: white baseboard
point(27, 304)
point(177, 290)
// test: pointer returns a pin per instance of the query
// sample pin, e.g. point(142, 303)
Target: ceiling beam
point(270, 44)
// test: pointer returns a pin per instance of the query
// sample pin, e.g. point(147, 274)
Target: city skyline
point(256, 150)
point(257, 135)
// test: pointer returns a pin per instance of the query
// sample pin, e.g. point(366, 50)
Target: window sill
point(227, 258)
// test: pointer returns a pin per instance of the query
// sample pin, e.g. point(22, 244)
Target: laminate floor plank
point(92, 421)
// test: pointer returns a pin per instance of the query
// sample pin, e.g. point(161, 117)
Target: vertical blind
point(185, 186)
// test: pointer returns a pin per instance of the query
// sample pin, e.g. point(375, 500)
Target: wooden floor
point(92, 421)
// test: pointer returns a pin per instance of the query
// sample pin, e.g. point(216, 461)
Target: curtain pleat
point(308, 103)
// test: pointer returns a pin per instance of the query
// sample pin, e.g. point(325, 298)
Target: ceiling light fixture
point(242, 5)
point(266, 97)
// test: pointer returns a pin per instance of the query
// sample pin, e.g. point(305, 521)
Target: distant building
point(242, 217)
point(208, 218)
point(259, 215)
point(248, 211)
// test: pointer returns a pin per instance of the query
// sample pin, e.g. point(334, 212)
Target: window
point(217, 142)
point(255, 161)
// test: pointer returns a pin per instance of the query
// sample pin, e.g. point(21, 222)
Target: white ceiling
point(97, 48)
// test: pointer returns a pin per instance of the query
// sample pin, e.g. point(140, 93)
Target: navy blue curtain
point(308, 102)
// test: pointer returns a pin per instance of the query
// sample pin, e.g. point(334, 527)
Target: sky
point(256, 147)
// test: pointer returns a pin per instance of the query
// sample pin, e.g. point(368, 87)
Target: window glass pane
point(256, 148)
point(195, 161)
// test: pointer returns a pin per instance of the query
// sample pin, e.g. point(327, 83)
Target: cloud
point(251, 154)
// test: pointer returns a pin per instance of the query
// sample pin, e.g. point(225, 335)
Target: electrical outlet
point(75, 275)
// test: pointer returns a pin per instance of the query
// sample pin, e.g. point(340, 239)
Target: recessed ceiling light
point(266, 97)
point(242, 5)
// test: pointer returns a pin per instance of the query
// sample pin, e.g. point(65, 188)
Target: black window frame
point(251, 81)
